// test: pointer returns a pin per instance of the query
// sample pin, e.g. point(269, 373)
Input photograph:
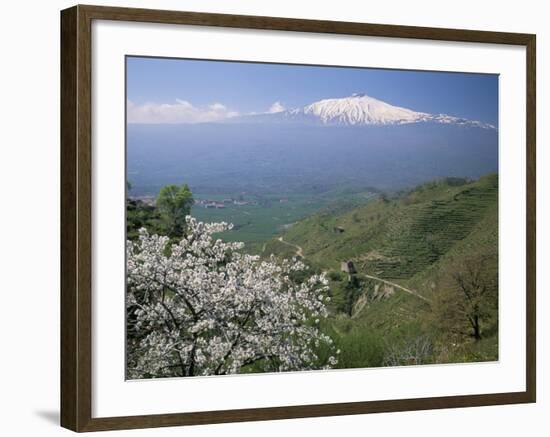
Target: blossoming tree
point(201, 307)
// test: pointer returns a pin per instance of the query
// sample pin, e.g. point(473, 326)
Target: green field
point(268, 215)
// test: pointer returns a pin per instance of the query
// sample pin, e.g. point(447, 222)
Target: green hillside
point(426, 287)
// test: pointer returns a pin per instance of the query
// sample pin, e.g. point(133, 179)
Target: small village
point(207, 203)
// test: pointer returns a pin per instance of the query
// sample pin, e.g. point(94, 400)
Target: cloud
point(276, 107)
point(181, 111)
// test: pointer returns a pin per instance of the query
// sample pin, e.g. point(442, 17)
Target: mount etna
point(356, 140)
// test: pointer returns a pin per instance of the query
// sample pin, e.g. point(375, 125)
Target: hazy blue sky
point(209, 87)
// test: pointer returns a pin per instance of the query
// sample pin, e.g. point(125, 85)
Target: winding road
point(393, 284)
point(299, 250)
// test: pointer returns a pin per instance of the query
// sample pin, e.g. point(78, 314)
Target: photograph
point(288, 217)
point(275, 219)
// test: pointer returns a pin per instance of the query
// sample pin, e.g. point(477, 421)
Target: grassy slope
point(412, 240)
point(398, 238)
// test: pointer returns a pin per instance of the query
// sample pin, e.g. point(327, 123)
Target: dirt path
point(414, 293)
point(299, 250)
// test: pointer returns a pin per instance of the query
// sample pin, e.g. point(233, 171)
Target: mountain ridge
point(359, 109)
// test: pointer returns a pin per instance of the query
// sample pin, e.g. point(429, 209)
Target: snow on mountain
point(360, 109)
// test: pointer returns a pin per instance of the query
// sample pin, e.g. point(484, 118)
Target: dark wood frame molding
point(76, 224)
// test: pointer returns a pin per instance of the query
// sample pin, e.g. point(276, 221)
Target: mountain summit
point(361, 109)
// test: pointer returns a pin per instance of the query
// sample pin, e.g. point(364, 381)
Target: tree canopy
point(174, 204)
point(207, 309)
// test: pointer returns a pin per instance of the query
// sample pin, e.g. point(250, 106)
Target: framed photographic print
point(268, 218)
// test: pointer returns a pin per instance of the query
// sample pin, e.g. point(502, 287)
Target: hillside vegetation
point(426, 283)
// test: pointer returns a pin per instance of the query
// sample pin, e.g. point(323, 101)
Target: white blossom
point(201, 307)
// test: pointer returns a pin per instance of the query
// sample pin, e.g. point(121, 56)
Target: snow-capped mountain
point(360, 109)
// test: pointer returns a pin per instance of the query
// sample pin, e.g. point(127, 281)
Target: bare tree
point(478, 288)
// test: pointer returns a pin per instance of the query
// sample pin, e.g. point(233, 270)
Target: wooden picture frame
point(76, 217)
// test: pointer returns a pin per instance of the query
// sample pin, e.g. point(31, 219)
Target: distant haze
point(279, 157)
point(225, 129)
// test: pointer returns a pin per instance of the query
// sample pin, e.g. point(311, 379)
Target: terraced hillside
point(398, 238)
point(416, 241)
